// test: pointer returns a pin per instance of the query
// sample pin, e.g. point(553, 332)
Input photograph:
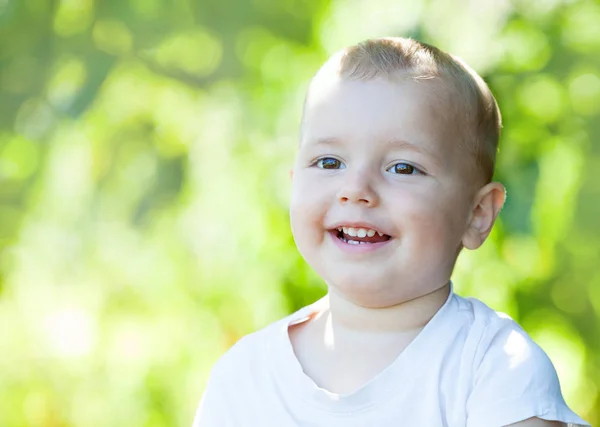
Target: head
point(397, 139)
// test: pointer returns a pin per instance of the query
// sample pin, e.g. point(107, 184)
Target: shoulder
point(501, 344)
point(247, 351)
point(513, 379)
point(481, 317)
point(492, 334)
point(480, 314)
point(252, 352)
point(506, 345)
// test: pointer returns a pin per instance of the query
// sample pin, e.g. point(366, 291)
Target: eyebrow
point(328, 141)
point(395, 143)
point(399, 143)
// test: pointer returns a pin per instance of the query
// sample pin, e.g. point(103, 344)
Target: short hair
point(395, 56)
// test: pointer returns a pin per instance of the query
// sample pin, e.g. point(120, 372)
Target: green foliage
point(144, 156)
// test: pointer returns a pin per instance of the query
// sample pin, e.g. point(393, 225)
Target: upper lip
point(357, 224)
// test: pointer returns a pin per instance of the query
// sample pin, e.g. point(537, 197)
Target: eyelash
point(413, 169)
point(318, 162)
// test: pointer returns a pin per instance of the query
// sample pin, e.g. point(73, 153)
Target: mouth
point(359, 235)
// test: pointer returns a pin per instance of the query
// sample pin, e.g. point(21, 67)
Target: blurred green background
point(144, 156)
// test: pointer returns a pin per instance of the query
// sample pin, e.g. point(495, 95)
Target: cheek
point(437, 218)
point(310, 194)
point(308, 207)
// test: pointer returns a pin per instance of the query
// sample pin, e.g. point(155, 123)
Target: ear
point(488, 202)
point(291, 173)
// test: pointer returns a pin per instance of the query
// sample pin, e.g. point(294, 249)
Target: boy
point(393, 178)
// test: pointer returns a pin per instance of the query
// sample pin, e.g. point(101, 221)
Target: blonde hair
point(477, 112)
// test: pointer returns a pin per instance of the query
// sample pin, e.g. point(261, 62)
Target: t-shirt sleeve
point(515, 380)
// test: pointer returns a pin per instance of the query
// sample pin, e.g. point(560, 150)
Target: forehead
point(377, 109)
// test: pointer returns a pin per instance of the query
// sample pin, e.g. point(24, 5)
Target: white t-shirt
point(469, 367)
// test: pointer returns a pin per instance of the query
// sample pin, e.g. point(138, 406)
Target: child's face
point(380, 155)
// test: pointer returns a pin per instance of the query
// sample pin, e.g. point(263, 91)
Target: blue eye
point(404, 169)
point(329, 163)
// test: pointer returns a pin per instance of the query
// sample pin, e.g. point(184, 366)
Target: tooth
point(361, 232)
point(380, 233)
point(353, 242)
point(371, 233)
point(345, 230)
point(351, 231)
point(339, 229)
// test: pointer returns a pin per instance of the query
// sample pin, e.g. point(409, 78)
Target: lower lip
point(354, 248)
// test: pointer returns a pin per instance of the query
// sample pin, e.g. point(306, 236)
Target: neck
point(344, 315)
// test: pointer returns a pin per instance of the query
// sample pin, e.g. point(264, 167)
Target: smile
point(358, 238)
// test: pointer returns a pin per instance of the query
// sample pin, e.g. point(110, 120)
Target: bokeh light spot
point(70, 332)
point(197, 52)
point(112, 37)
point(584, 90)
point(526, 47)
point(19, 158)
point(73, 16)
point(69, 76)
point(580, 29)
point(542, 97)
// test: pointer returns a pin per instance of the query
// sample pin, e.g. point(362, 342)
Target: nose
point(357, 187)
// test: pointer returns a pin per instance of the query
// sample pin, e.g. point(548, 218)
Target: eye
point(404, 169)
point(329, 163)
